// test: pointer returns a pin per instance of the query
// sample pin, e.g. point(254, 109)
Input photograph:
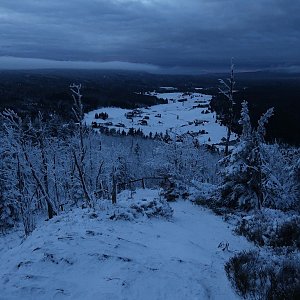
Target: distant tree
point(131, 131)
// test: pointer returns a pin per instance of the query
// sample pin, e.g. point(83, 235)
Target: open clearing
point(183, 114)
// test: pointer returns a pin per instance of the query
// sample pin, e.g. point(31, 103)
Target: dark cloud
point(174, 35)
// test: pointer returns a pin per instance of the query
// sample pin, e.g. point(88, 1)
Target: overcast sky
point(176, 36)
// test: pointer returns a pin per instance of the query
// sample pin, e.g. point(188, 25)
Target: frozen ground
point(86, 255)
point(177, 117)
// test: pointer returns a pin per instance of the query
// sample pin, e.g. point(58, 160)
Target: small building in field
point(143, 122)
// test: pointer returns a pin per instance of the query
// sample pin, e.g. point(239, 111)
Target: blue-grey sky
point(176, 36)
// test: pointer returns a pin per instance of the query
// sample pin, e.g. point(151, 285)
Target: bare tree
point(227, 90)
point(79, 157)
point(27, 162)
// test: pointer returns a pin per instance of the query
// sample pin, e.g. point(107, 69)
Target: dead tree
point(20, 140)
point(79, 157)
point(227, 90)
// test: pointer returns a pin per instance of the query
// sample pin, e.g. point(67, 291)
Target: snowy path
point(77, 256)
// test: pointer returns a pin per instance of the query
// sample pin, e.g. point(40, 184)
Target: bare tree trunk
point(50, 207)
point(114, 191)
point(79, 162)
point(25, 213)
point(82, 180)
point(55, 180)
point(44, 165)
point(227, 91)
point(228, 138)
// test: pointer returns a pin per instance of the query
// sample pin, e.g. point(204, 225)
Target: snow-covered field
point(182, 114)
point(86, 255)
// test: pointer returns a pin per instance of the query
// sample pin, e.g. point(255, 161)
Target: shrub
point(286, 285)
point(271, 228)
point(149, 208)
point(257, 276)
point(288, 234)
point(153, 208)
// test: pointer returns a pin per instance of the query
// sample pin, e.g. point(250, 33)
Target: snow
point(10, 239)
point(83, 254)
point(170, 88)
point(176, 117)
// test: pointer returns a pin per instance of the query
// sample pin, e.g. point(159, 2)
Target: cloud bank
point(181, 35)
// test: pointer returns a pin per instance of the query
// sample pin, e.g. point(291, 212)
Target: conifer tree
point(244, 173)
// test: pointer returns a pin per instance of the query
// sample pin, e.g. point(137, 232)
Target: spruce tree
point(243, 175)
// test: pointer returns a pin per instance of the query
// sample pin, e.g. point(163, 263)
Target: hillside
point(75, 224)
point(184, 114)
point(85, 254)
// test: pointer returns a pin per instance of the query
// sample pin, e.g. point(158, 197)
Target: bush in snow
point(280, 182)
point(258, 276)
point(153, 208)
point(271, 228)
point(174, 190)
point(148, 206)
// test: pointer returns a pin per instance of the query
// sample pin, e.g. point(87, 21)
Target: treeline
point(30, 92)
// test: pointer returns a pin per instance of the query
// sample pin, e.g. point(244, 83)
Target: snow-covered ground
point(86, 255)
point(191, 115)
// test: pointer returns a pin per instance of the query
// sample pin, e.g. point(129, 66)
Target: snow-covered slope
point(86, 255)
point(183, 113)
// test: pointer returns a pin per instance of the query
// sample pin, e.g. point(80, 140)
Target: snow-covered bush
point(271, 228)
point(142, 203)
point(280, 187)
point(256, 275)
point(175, 189)
point(203, 193)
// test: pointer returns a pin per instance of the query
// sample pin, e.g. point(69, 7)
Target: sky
point(158, 36)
